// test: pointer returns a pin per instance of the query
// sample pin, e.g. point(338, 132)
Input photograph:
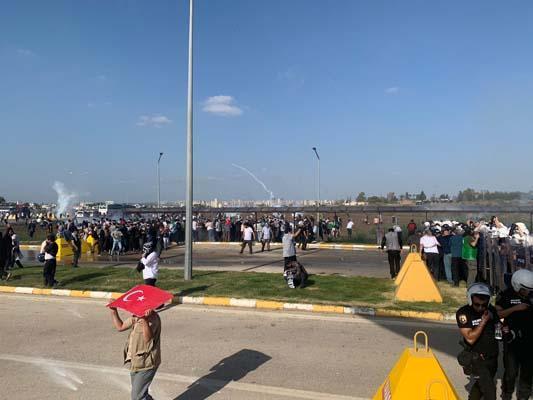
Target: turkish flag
point(140, 299)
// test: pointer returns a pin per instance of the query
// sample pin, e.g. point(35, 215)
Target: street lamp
point(187, 267)
point(158, 184)
point(317, 195)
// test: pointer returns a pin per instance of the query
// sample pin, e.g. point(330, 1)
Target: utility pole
point(317, 194)
point(187, 267)
point(158, 185)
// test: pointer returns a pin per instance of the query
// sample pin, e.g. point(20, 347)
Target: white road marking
point(162, 376)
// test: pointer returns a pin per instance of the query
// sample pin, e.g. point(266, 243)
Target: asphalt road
point(367, 262)
point(61, 348)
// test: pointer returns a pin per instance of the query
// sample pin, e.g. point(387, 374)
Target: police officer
point(514, 307)
point(476, 323)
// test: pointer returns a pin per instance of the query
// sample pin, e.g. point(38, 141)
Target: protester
point(49, 248)
point(76, 248)
point(142, 352)
point(266, 236)
point(393, 242)
point(469, 255)
point(247, 238)
point(150, 262)
point(429, 246)
point(444, 240)
point(289, 247)
point(349, 228)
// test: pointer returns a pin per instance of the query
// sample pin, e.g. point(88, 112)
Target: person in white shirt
point(349, 227)
point(429, 246)
point(150, 261)
point(266, 237)
point(194, 230)
point(247, 237)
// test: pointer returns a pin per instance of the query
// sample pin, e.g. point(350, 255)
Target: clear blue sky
point(397, 96)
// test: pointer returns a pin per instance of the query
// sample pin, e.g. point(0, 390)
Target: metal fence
point(499, 257)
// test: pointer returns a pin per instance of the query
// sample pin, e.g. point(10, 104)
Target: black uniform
point(484, 350)
point(518, 347)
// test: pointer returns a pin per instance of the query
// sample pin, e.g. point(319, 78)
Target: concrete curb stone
point(247, 303)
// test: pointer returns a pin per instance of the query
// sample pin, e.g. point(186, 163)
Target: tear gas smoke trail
point(256, 179)
point(64, 198)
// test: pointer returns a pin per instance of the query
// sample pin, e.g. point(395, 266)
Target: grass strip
point(321, 289)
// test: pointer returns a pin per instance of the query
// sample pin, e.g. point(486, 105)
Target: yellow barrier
point(418, 284)
point(413, 255)
point(92, 244)
point(417, 375)
point(64, 249)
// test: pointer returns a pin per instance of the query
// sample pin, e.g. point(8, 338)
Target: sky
point(396, 96)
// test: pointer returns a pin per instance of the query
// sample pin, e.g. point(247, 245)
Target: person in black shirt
point(476, 322)
point(50, 252)
point(514, 308)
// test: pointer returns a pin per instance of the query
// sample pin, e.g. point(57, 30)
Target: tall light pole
point(187, 267)
point(317, 195)
point(158, 184)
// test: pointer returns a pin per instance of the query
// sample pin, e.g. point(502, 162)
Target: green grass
point(321, 289)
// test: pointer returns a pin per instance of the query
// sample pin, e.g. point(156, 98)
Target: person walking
point(247, 237)
point(142, 352)
point(266, 236)
point(393, 242)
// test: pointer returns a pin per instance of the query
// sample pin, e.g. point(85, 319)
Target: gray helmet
point(522, 279)
point(477, 288)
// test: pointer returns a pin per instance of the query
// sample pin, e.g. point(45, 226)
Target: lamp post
point(187, 267)
point(158, 184)
point(317, 195)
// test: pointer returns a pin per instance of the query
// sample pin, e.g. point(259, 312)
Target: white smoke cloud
point(256, 179)
point(64, 198)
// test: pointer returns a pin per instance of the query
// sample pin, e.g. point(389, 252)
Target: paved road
point(317, 261)
point(56, 348)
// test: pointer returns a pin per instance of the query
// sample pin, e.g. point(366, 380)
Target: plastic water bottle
point(498, 330)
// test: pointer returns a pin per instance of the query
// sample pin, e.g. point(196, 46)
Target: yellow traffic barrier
point(64, 249)
point(417, 375)
point(85, 247)
point(413, 255)
point(92, 244)
point(417, 284)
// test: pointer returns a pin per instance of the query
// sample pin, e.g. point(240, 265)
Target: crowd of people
point(468, 251)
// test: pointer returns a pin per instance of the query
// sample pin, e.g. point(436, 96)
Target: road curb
point(246, 303)
point(330, 246)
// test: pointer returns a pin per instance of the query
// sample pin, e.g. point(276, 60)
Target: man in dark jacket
point(393, 242)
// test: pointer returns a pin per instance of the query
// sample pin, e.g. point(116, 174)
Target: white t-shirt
point(151, 266)
point(266, 232)
point(349, 225)
point(248, 233)
point(429, 244)
point(194, 225)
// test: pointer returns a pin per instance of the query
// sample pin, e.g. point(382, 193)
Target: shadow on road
point(229, 369)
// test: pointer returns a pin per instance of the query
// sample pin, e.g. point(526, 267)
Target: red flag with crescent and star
point(140, 299)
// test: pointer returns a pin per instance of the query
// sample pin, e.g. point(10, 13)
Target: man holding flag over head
point(142, 351)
